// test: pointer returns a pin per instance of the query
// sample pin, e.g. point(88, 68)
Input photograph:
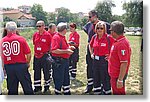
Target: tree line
point(133, 16)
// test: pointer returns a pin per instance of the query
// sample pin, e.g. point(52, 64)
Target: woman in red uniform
point(99, 46)
point(73, 41)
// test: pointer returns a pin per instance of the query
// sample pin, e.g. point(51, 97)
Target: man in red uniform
point(42, 43)
point(16, 57)
point(119, 59)
point(52, 29)
point(61, 53)
point(74, 38)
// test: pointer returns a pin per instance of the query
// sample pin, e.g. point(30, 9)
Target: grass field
point(134, 82)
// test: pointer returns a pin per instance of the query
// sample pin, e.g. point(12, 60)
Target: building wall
point(26, 22)
point(13, 16)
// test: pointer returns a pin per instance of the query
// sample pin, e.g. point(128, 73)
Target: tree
point(37, 11)
point(62, 14)
point(134, 13)
point(104, 10)
point(52, 18)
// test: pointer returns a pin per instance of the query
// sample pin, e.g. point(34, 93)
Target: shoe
point(46, 91)
point(37, 91)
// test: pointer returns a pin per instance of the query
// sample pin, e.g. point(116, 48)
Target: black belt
point(99, 57)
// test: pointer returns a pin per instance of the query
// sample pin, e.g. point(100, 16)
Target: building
point(23, 19)
point(26, 20)
point(25, 9)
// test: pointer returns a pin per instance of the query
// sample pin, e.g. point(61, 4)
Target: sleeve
point(123, 53)
point(34, 39)
point(85, 28)
point(50, 40)
point(26, 47)
point(55, 43)
point(92, 41)
point(112, 40)
point(77, 39)
point(108, 27)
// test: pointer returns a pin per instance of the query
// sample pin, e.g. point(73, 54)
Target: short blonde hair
point(101, 23)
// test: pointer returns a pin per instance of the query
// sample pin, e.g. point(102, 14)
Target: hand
point(92, 56)
point(119, 84)
point(107, 57)
point(72, 47)
point(28, 65)
point(70, 51)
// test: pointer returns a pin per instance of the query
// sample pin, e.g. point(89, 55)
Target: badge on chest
point(43, 40)
point(103, 44)
point(39, 48)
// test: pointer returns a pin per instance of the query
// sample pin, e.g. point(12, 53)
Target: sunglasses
point(99, 28)
point(90, 16)
point(38, 26)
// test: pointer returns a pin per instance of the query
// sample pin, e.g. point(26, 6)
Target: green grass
point(134, 82)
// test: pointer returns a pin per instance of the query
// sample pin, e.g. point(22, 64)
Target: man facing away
point(16, 56)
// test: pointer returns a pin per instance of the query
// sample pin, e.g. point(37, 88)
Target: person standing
point(119, 59)
point(52, 29)
point(16, 56)
point(61, 53)
point(74, 38)
point(42, 43)
point(89, 28)
point(99, 47)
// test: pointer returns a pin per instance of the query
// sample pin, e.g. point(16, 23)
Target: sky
point(74, 5)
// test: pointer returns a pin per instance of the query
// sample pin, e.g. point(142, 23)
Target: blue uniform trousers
point(101, 76)
point(38, 65)
point(18, 73)
point(61, 75)
point(89, 62)
point(73, 63)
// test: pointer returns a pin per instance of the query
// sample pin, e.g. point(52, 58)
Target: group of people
point(48, 45)
point(108, 57)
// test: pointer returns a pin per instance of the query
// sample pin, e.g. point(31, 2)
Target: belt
point(42, 53)
point(99, 57)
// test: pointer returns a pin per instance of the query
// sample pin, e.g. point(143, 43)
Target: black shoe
point(46, 91)
point(88, 89)
point(37, 90)
point(67, 93)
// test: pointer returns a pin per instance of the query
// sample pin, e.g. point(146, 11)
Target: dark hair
point(5, 32)
point(94, 13)
point(73, 25)
point(117, 27)
point(51, 25)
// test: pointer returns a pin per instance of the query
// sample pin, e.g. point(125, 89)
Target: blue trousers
point(18, 73)
point(61, 76)
point(38, 65)
point(101, 76)
point(89, 62)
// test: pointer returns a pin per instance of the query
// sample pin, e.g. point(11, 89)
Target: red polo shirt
point(14, 49)
point(120, 52)
point(100, 46)
point(74, 37)
point(52, 34)
point(59, 42)
point(41, 43)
